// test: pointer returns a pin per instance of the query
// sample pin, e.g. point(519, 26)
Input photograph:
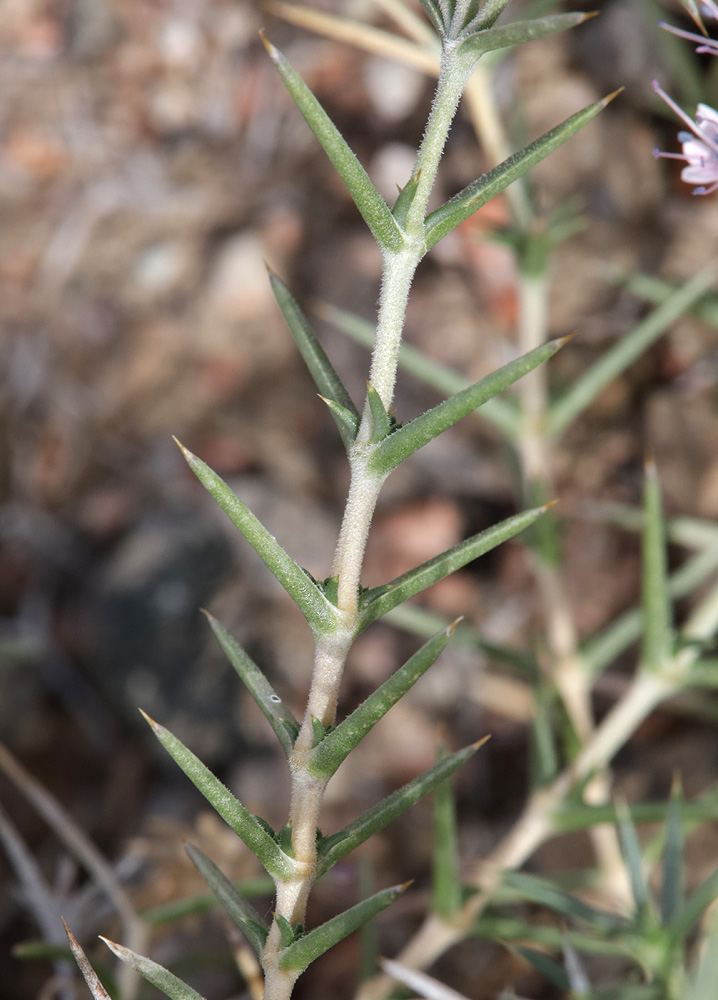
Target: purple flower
point(705, 44)
point(700, 145)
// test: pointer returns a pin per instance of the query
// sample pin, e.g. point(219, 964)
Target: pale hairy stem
point(567, 669)
point(332, 647)
point(536, 825)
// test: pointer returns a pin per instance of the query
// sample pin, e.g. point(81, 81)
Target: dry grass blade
point(363, 36)
point(96, 988)
point(82, 848)
point(414, 26)
point(425, 986)
point(36, 892)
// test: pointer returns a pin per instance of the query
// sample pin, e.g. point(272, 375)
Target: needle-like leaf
point(490, 12)
point(244, 824)
point(379, 416)
point(83, 963)
point(278, 715)
point(373, 208)
point(302, 952)
point(337, 845)
point(237, 906)
point(564, 410)
point(414, 435)
point(156, 974)
point(338, 744)
point(345, 420)
point(631, 850)
point(471, 198)
point(696, 904)
point(405, 198)
point(327, 380)
point(502, 413)
point(446, 887)
point(544, 964)
point(518, 32)
point(539, 890)
point(657, 618)
point(433, 12)
point(673, 857)
point(319, 612)
point(379, 600)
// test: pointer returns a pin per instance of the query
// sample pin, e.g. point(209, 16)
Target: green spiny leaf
point(373, 208)
point(490, 13)
point(330, 386)
point(703, 983)
point(337, 845)
point(673, 851)
point(543, 892)
point(285, 930)
point(502, 413)
point(545, 757)
point(696, 905)
point(544, 964)
point(319, 730)
point(244, 824)
point(326, 757)
point(237, 906)
point(302, 953)
point(376, 602)
point(347, 423)
point(285, 840)
point(405, 198)
point(423, 623)
point(189, 906)
point(446, 896)
point(156, 974)
point(474, 196)
point(278, 715)
point(564, 410)
point(633, 858)
point(657, 617)
point(414, 435)
point(320, 614)
point(433, 12)
point(379, 416)
point(618, 636)
point(480, 42)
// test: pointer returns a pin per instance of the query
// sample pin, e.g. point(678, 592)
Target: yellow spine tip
point(404, 885)
point(150, 721)
point(452, 628)
point(185, 451)
point(273, 52)
point(115, 948)
point(611, 97)
point(589, 16)
point(480, 743)
point(562, 341)
point(549, 505)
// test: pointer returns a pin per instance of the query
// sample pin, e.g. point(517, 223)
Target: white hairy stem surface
point(332, 647)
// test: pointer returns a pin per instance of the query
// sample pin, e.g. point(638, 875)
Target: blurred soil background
point(150, 162)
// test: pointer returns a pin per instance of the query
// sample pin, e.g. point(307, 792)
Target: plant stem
point(535, 824)
point(332, 647)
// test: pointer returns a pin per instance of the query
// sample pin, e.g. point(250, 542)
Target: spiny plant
point(337, 608)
